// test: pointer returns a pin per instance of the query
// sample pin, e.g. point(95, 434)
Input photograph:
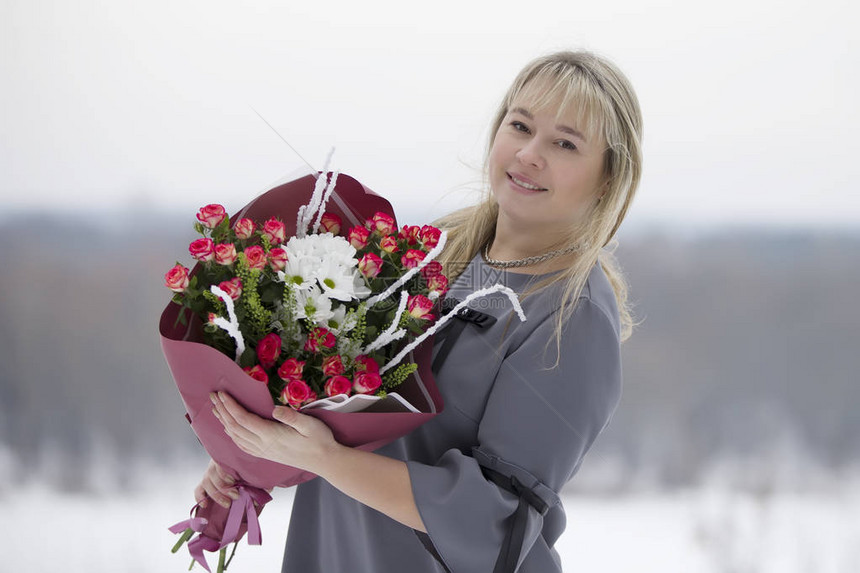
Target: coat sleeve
point(538, 423)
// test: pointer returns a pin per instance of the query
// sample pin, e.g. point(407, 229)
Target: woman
point(476, 489)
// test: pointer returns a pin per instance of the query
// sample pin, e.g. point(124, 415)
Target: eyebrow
point(564, 128)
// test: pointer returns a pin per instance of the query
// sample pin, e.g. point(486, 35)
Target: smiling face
point(543, 169)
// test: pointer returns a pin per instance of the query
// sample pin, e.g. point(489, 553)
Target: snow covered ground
point(708, 531)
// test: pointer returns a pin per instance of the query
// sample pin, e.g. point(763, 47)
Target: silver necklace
point(485, 252)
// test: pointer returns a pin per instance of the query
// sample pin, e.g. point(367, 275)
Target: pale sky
point(750, 106)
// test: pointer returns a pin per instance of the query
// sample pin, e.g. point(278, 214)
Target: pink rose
point(176, 279)
point(278, 259)
point(412, 258)
point(256, 257)
point(202, 249)
point(382, 223)
point(268, 350)
point(211, 318)
point(438, 283)
point(244, 228)
point(410, 233)
point(388, 244)
point(318, 339)
point(275, 231)
point(369, 265)
point(296, 393)
point(291, 369)
point(420, 307)
point(337, 385)
point(358, 237)
point(225, 253)
point(364, 363)
point(257, 373)
point(330, 223)
point(211, 215)
point(367, 382)
point(233, 288)
point(430, 236)
point(332, 365)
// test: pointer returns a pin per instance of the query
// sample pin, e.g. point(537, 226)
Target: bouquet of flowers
point(310, 297)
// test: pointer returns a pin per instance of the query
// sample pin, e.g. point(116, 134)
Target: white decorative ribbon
point(512, 296)
point(391, 333)
point(306, 212)
point(328, 191)
point(412, 272)
point(232, 327)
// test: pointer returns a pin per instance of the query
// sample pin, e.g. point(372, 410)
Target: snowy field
point(694, 531)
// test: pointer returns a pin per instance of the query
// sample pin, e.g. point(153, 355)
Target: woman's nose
point(530, 155)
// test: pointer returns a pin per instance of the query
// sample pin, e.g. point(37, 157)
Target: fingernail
point(224, 504)
point(212, 397)
point(203, 503)
point(233, 493)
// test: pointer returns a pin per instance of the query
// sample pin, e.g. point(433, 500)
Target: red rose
point(257, 373)
point(420, 307)
point(382, 223)
point(330, 223)
point(296, 393)
point(176, 279)
point(388, 244)
point(332, 365)
point(337, 385)
point(369, 265)
point(412, 258)
point(211, 318)
point(202, 249)
point(318, 339)
point(233, 288)
point(244, 228)
point(291, 369)
point(430, 236)
point(358, 237)
point(410, 233)
point(268, 350)
point(256, 257)
point(364, 363)
point(225, 254)
point(366, 382)
point(211, 215)
point(278, 259)
point(275, 231)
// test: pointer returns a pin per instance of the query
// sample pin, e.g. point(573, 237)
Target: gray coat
point(503, 409)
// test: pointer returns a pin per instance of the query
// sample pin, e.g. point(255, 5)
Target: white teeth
point(526, 185)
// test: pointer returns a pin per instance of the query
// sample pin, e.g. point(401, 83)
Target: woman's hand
point(294, 439)
point(217, 484)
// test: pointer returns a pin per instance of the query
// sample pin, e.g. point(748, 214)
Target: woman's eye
point(565, 144)
point(520, 126)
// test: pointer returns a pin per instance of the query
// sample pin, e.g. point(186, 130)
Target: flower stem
point(221, 555)
point(186, 535)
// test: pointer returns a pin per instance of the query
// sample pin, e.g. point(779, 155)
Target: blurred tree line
point(746, 352)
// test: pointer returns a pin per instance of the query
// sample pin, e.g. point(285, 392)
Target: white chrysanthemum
point(300, 271)
point(313, 305)
point(337, 281)
point(335, 323)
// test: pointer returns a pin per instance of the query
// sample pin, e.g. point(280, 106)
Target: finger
point(215, 493)
point(233, 428)
point(302, 423)
point(240, 415)
point(225, 478)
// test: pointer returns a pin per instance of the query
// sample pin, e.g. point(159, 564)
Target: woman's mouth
point(524, 183)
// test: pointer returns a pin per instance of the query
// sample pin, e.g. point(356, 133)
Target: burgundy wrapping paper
point(199, 369)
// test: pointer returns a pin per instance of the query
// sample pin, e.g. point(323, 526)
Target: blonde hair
point(608, 109)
